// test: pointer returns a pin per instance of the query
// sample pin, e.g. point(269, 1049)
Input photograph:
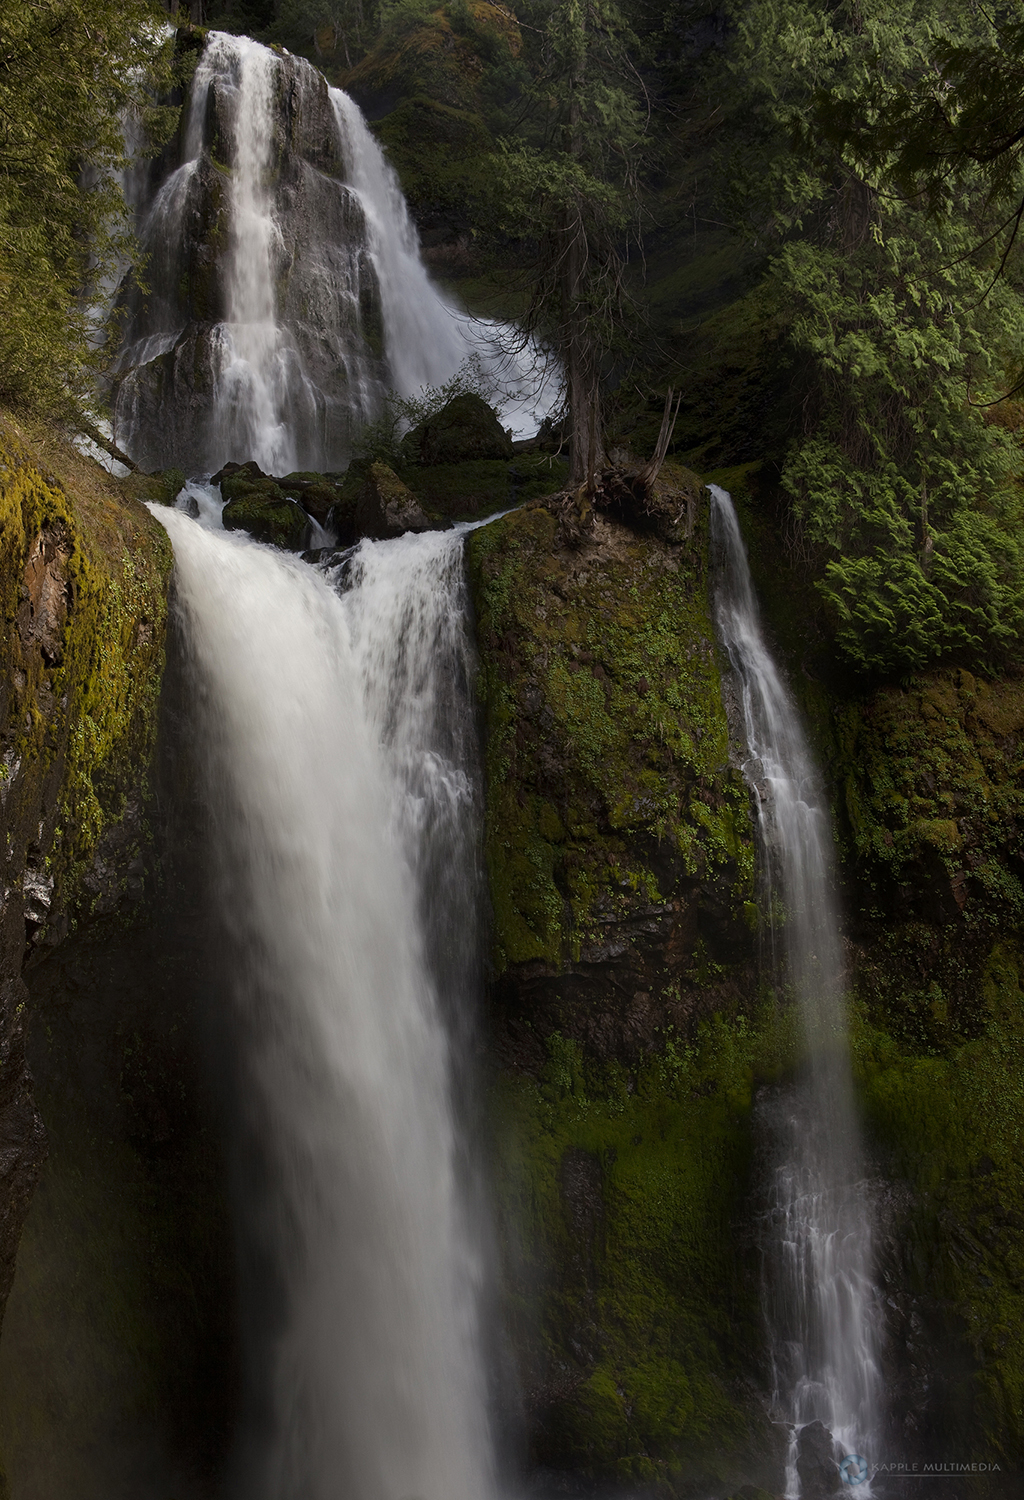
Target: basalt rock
point(816, 1464)
point(465, 429)
point(386, 507)
point(83, 580)
point(279, 510)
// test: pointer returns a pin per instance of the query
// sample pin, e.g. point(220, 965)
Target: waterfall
point(823, 1314)
point(428, 339)
point(337, 738)
point(285, 289)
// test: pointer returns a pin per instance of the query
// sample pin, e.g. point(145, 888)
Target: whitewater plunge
point(335, 734)
point(823, 1313)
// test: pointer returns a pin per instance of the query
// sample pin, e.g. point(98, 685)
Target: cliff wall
point(83, 596)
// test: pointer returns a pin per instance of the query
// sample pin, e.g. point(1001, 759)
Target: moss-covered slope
point(83, 584)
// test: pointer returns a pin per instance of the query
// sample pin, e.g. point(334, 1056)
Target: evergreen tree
point(568, 183)
point(70, 72)
point(903, 495)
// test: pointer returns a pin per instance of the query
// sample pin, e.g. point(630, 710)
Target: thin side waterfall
point(336, 732)
point(823, 1313)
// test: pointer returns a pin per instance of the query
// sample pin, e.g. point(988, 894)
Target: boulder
point(816, 1463)
point(466, 428)
point(264, 511)
point(386, 507)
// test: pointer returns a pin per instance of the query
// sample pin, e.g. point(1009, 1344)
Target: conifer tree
point(70, 72)
point(568, 183)
point(903, 498)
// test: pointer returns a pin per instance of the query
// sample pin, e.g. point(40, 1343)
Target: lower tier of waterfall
point(331, 719)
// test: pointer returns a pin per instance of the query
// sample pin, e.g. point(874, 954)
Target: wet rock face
point(179, 367)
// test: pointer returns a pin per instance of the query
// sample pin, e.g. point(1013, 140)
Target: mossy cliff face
point(619, 844)
point(620, 856)
point(83, 580)
point(930, 810)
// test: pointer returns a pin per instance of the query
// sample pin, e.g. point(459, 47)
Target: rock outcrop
point(625, 1003)
point(83, 585)
point(386, 507)
point(465, 430)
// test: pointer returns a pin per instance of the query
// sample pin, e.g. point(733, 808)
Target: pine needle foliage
point(71, 71)
point(903, 497)
point(567, 182)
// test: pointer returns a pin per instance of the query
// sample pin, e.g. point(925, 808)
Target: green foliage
point(344, 27)
point(961, 112)
point(902, 496)
point(71, 70)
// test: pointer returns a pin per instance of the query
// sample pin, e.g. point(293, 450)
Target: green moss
point(604, 720)
point(635, 1306)
point(81, 715)
point(264, 511)
point(953, 1130)
point(467, 491)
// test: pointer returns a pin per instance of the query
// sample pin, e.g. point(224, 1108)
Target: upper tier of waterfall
point(284, 287)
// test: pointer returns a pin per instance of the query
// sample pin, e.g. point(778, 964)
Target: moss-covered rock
point(620, 855)
point(476, 488)
point(466, 429)
point(386, 507)
point(267, 514)
point(632, 1282)
point(83, 596)
point(619, 839)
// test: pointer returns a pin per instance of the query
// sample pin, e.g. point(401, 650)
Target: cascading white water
point(427, 338)
point(824, 1316)
point(287, 290)
point(332, 745)
point(257, 359)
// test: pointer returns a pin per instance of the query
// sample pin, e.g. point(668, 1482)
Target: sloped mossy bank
point(625, 998)
point(113, 1351)
point(83, 586)
point(927, 785)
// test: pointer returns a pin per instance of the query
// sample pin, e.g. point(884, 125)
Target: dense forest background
point(802, 215)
